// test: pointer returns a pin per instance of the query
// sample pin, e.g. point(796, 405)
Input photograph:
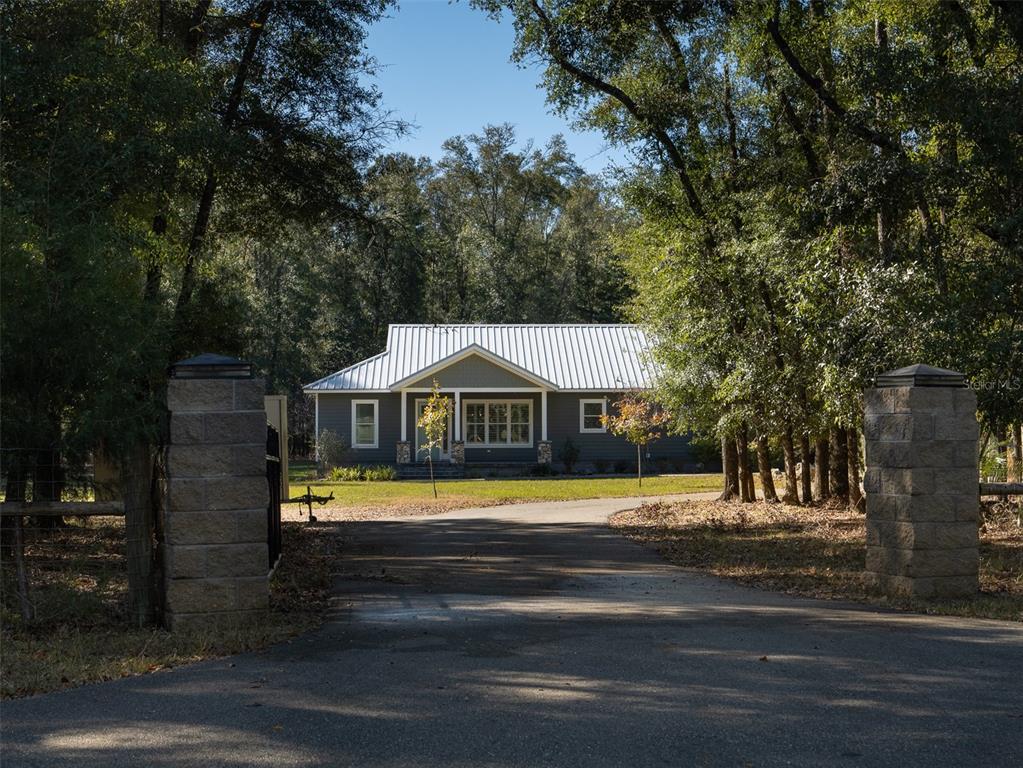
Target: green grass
point(363, 494)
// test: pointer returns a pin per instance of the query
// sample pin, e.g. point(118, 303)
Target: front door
point(440, 454)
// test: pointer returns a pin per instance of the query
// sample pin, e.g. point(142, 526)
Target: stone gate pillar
point(922, 483)
point(215, 552)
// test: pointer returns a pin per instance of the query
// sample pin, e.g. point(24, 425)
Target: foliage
point(332, 450)
point(359, 472)
point(434, 422)
point(639, 421)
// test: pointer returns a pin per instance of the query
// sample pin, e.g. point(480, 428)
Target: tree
point(639, 421)
point(434, 423)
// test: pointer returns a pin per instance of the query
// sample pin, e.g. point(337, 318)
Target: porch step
point(422, 472)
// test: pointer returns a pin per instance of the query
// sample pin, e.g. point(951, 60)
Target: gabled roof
point(564, 357)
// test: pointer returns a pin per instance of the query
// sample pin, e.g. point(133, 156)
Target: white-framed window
point(365, 423)
point(591, 412)
point(498, 423)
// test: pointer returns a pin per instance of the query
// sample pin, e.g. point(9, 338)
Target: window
point(498, 423)
point(590, 413)
point(365, 425)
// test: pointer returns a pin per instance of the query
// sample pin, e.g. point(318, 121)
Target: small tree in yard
point(639, 421)
point(434, 422)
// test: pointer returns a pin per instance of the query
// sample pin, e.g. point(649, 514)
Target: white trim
point(404, 415)
point(543, 416)
point(486, 422)
point(458, 416)
point(376, 424)
point(315, 392)
point(583, 402)
point(486, 354)
point(316, 428)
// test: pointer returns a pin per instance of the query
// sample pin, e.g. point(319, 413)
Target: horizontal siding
point(563, 424)
point(474, 371)
point(336, 415)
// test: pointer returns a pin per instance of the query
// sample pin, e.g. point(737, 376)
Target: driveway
point(532, 635)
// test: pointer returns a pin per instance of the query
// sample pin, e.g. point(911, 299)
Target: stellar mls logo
point(988, 385)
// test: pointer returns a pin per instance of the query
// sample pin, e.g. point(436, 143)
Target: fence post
point(215, 519)
point(922, 483)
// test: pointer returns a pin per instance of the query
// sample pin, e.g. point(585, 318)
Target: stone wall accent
point(922, 490)
point(458, 452)
point(544, 452)
point(403, 452)
point(215, 526)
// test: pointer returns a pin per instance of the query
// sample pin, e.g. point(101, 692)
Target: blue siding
point(336, 415)
point(474, 371)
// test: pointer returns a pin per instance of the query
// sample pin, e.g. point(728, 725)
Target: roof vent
point(920, 376)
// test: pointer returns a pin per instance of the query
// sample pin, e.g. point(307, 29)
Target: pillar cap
point(920, 376)
point(211, 366)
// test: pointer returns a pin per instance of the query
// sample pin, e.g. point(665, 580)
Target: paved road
point(532, 635)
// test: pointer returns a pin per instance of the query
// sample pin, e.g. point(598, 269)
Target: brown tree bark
point(805, 480)
point(764, 466)
point(137, 488)
point(839, 464)
point(853, 455)
point(1017, 451)
point(745, 474)
point(822, 466)
point(730, 468)
point(791, 495)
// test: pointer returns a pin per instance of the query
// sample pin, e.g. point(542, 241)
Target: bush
point(375, 474)
point(542, 470)
point(331, 450)
point(623, 466)
point(601, 466)
point(381, 473)
point(569, 455)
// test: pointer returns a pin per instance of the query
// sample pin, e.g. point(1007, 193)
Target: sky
point(446, 68)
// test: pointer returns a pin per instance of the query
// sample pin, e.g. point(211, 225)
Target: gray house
point(519, 391)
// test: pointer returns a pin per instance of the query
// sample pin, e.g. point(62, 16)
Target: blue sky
point(446, 68)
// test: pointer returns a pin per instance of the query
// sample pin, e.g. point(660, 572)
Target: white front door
point(441, 454)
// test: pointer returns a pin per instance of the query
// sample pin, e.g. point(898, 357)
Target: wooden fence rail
point(62, 508)
point(1001, 489)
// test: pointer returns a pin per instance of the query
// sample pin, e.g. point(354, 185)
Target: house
point(519, 392)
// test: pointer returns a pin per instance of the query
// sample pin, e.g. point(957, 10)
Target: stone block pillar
point(544, 452)
point(922, 483)
point(403, 452)
point(215, 512)
point(458, 452)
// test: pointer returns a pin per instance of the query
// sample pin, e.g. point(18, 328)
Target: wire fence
point(63, 542)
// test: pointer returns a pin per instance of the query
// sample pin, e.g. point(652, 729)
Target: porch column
point(458, 415)
point(543, 415)
point(404, 415)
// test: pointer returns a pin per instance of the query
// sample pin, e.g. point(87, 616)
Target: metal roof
point(570, 357)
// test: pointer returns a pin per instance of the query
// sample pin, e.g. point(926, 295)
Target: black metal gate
point(273, 509)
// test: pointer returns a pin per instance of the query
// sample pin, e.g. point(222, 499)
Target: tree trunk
point(805, 481)
point(140, 532)
point(822, 466)
point(1017, 451)
point(745, 475)
point(839, 464)
point(764, 465)
point(48, 485)
point(853, 454)
point(789, 450)
point(730, 467)
point(24, 602)
point(433, 480)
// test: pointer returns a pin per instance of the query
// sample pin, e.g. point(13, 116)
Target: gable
point(473, 371)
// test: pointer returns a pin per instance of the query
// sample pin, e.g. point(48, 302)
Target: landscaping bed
point(83, 634)
point(817, 551)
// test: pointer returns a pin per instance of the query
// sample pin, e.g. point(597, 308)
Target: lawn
point(817, 551)
point(360, 499)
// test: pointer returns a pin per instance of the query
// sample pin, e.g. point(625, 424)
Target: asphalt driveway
point(533, 635)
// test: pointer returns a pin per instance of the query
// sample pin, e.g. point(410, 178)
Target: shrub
point(542, 470)
point(331, 450)
point(346, 474)
point(569, 455)
point(623, 466)
point(381, 473)
point(601, 466)
point(663, 466)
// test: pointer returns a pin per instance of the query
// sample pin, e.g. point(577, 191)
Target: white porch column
point(543, 415)
point(404, 415)
point(316, 427)
point(458, 414)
